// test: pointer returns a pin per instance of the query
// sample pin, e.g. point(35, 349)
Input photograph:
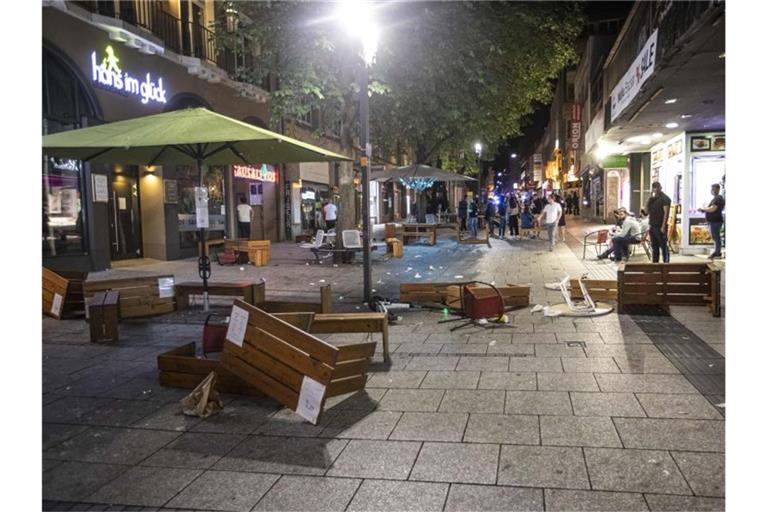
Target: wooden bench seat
point(139, 296)
point(418, 231)
point(375, 321)
point(184, 290)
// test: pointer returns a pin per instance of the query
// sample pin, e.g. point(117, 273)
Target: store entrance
point(125, 214)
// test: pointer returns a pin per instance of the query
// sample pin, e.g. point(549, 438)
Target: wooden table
point(258, 251)
point(419, 230)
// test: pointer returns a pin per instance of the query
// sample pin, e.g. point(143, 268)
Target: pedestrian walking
point(490, 214)
point(658, 212)
point(329, 210)
point(472, 218)
point(568, 204)
point(528, 221)
point(550, 216)
point(537, 204)
point(463, 214)
point(713, 214)
point(561, 222)
point(244, 217)
point(514, 214)
point(502, 210)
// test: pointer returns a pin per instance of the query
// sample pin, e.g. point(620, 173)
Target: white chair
point(319, 239)
point(431, 219)
point(352, 239)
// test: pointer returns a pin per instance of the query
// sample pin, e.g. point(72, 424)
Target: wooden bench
point(68, 286)
point(395, 247)
point(471, 241)
point(258, 251)
point(665, 284)
point(598, 289)
point(420, 230)
point(448, 294)
point(283, 306)
point(139, 296)
point(290, 365)
point(184, 290)
point(375, 321)
point(103, 316)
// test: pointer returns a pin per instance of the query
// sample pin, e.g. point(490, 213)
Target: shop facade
point(94, 214)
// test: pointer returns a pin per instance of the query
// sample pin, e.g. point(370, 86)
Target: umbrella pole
point(204, 263)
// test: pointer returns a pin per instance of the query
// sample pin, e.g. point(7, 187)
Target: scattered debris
point(409, 269)
point(492, 343)
point(417, 276)
point(537, 308)
point(242, 268)
point(459, 276)
point(322, 281)
point(204, 400)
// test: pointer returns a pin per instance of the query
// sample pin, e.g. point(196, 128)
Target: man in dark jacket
point(502, 209)
point(714, 216)
point(463, 214)
point(658, 212)
point(490, 213)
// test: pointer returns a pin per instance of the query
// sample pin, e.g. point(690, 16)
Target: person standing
point(463, 214)
point(575, 201)
point(568, 203)
point(490, 214)
point(551, 216)
point(538, 203)
point(658, 213)
point(472, 218)
point(514, 213)
point(714, 216)
point(244, 217)
point(502, 209)
point(561, 222)
point(329, 210)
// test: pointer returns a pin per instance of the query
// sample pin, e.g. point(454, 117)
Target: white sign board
point(310, 399)
point(56, 305)
point(100, 188)
point(637, 74)
point(201, 207)
point(238, 323)
point(165, 285)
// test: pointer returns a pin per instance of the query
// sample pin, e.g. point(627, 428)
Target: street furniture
point(139, 296)
point(63, 293)
point(103, 316)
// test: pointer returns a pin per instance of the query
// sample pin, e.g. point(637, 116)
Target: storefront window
point(63, 232)
point(313, 198)
point(187, 177)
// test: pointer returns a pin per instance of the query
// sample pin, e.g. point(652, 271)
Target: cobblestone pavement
point(551, 414)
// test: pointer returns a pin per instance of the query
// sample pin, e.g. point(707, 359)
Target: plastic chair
point(479, 303)
point(352, 239)
point(601, 239)
point(319, 237)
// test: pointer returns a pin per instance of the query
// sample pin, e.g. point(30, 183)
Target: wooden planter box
point(258, 251)
point(665, 284)
point(139, 296)
point(69, 288)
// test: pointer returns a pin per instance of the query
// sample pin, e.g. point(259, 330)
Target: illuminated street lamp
point(478, 149)
point(357, 18)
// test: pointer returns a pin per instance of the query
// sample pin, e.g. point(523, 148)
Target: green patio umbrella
point(193, 136)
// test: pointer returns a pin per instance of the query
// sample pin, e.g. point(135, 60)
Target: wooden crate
point(103, 316)
point(281, 360)
point(69, 288)
point(282, 306)
point(665, 284)
point(258, 251)
point(395, 246)
point(598, 289)
point(139, 296)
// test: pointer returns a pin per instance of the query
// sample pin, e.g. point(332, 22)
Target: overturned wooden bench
point(373, 322)
point(186, 289)
point(139, 296)
point(598, 289)
point(449, 294)
point(285, 306)
point(420, 230)
point(289, 364)
point(63, 293)
point(666, 284)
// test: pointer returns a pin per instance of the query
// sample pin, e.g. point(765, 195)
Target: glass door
point(125, 214)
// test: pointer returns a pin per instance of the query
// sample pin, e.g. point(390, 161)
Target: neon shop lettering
point(108, 75)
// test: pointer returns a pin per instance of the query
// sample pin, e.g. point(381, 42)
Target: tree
point(447, 73)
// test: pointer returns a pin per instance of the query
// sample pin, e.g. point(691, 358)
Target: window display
point(62, 208)
point(187, 181)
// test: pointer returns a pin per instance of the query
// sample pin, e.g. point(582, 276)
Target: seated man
point(630, 228)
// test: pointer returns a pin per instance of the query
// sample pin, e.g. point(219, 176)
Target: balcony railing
point(182, 37)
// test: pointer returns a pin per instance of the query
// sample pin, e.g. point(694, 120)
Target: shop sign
point(108, 75)
point(201, 208)
point(537, 166)
point(171, 191)
point(309, 195)
point(249, 172)
point(575, 134)
point(637, 74)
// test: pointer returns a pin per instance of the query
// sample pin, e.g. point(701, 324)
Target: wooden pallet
point(285, 362)
point(665, 284)
point(139, 296)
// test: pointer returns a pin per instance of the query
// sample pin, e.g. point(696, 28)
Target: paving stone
point(364, 400)
point(705, 472)
point(672, 434)
point(556, 327)
point(168, 417)
point(433, 363)
point(490, 363)
point(450, 380)
point(75, 481)
point(464, 400)
point(566, 382)
point(194, 450)
point(645, 365)
point(543, 466)
point(437, 462)
point(586, 337)
point(597, 501)
point(145, 486)
point(637, 351)
point(120, 413)
point(376, 459)
point(613, 382)
point(669, 503)
point(361, 424)
point(507, 380)
point(72, 409)
point(558, 350)
point(111, 445)
point(578, 431)
point(298, 493)
point(396, 379)
point(376, 495)
point(224, 490)
point(538, 402)
point(55, 433)
point(417, 348)
point(287, 423)
point(464, 497)
point(538, 337)
point(463, 348)
point(307, 456)
point(589, 365)
point(634, 471)
point(502, 429)
point(535, 364)
point(678, 406)
point(434, 426)
point(424, 400)
point(510, 349)
point(606, 404)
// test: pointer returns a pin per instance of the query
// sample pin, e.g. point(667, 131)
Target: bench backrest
point(319, 238)
point(139, 296)
point(352, 239)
